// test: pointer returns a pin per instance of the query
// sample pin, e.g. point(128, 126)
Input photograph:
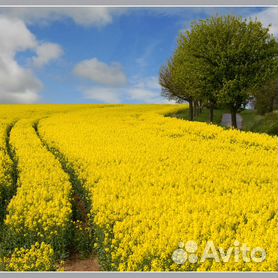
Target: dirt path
point(77, 264)
point(81, 205)
point(226, 120)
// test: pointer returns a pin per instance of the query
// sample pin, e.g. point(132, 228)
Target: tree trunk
point(211, 108)
point(195, 106)
point(191, 112)
point(200, 107)
point(233, 118)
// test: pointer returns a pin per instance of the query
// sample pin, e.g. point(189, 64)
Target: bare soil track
point(76, 264)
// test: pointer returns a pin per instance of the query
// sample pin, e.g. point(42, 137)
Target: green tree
point(175, 83)
point(180, 81)
point(233, 56)
point(201, 80)
point(266, 97)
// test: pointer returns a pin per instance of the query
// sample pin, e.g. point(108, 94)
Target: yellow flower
point(151, 181)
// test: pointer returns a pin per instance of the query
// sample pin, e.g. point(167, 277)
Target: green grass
point(204, 116)
point(267, 123)
point(251, 120)
point(217, 116)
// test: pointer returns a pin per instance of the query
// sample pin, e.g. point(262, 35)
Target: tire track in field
point(82, 232)
point(11, 190)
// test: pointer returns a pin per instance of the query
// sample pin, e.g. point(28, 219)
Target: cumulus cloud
point(108, 80)
point(85, 16)
point(14, 36)
point(17, 83)
point(139, 90)
point(101, 73)
point(146, 90)
point(46, 52)
point(104, 95)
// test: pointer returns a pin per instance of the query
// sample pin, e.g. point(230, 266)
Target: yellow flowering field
point(41, 208)
point(5, 168)
point(139, 186)
point(156, 181)
point(39, 257)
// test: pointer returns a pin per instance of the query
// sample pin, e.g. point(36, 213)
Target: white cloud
point(101, 73)
point(146, 90)
point(17, 84)
point(46, 52)
point(104, 95)
point(141, 94)
point(268, 17)
point(88, 16)
point(140, 90)
point(14, 36)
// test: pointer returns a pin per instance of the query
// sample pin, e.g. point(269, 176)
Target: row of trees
point(220, 61)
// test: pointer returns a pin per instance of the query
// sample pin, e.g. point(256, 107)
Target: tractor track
point(82, 232)
point(10, 191)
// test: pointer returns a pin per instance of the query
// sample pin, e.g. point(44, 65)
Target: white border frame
point(143, 4)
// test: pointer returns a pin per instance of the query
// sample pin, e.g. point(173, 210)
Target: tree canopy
point(221, 60)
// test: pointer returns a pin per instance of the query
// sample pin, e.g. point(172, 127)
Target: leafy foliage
point(223, 59)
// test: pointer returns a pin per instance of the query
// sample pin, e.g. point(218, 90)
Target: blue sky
point(95, 55)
